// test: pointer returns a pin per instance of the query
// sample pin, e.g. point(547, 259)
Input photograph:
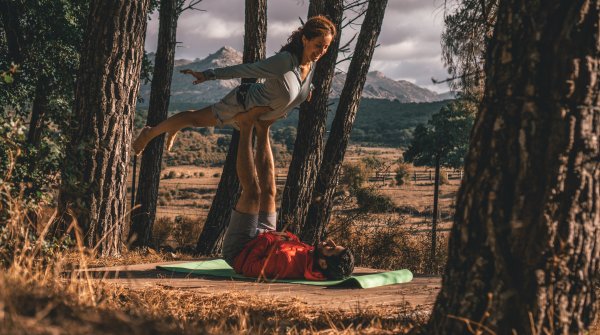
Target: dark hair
point(339, 266)
point(314, 27)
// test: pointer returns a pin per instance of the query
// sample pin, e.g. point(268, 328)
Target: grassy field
point(186, 193)
point(188, 190)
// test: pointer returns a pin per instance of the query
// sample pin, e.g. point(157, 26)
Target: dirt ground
point(418, 295)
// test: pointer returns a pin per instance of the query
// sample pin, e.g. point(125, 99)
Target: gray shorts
point(242, 229)
point(231, 105)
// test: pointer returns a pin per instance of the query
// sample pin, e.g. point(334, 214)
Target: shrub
point(170, 175)
point(444, 178)
point(402, 176)
point(354, 175)
point(161, 231)
point(388, 244)
point(370, 200)
point(216, 175)
point(372, 162)
point(186, 230)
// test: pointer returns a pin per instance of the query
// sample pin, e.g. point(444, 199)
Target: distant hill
point(378, 121)
point(377, 86)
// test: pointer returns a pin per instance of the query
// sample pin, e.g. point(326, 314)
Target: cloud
point(409, 40)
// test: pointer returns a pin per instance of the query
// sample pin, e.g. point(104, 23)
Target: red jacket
point(274, 256)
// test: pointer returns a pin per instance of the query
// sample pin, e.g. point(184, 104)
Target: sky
point(409, 43)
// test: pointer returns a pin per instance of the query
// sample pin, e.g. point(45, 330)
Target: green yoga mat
point(219, 268)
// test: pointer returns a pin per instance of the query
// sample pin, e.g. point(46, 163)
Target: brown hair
point(314, 27)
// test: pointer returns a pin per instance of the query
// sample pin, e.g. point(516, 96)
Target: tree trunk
point(147, 194)
point(436, 193)
point(93, 189)
point(308, 147)
point(335, 149)
point(38, 112)
point(228, 191)
point(523, 251)
point(10, 14)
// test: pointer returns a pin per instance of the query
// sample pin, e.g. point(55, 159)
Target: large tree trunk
point(308, 147)
point(160, 94)
point(228, 191)
point(335, 149)
point(523, 251)
point(93, 188)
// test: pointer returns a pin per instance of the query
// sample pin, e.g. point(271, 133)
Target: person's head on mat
point(334, 261)
point(311, 41)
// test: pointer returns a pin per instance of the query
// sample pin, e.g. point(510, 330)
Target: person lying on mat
point(251, 245)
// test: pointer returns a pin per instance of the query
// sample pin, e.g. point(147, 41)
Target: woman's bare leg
point(265, 167)
point(192, 118)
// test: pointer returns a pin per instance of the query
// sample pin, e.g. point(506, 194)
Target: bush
point(402, 176)
point(216, 175)
point(171, 175)
point(444, 178)
point(161, 231)
point(186, 230)
point(355, 175)
point(388, 244)
point(370, 200)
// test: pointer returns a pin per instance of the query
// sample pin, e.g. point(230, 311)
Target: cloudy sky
point(409, 41)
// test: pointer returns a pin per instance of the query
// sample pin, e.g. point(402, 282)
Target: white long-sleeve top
point(283, 88)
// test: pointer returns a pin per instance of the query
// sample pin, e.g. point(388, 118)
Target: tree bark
point(10, 13)
point(335, 149)
point(38, 112)
point(308, 147)
point(228, 191)
point(523, 251)
point(93, 188)
point(160, 93)
point(436, 194)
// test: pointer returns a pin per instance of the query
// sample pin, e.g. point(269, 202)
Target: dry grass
point(44, 290)
point(53, 306)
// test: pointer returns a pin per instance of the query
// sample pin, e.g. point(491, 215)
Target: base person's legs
point(265, 169)
point(244, 219)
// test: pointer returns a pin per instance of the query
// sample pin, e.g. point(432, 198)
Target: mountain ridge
point(377, 85)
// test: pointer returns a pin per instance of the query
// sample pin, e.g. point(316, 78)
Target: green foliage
point(49, 35)
point(31, 171)
point(468, 27)
point(23, 242)
point(446, 136)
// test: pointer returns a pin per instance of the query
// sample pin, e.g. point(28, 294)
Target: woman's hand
point(200, 78)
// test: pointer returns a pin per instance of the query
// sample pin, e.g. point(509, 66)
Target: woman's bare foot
point(171, 140)
point(142, 140)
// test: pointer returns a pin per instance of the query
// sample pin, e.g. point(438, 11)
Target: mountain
point(448, 95)
point(377, 86)
point(182, 89)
